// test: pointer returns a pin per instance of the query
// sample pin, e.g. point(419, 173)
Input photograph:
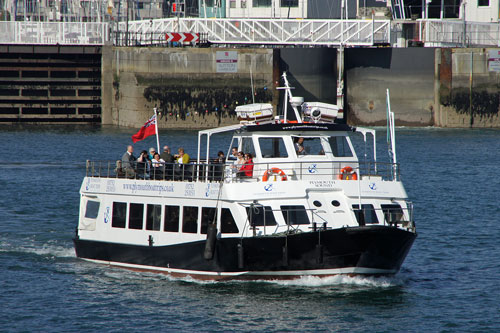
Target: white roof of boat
point(220, 129)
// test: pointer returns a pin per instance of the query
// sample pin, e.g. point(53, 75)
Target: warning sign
point(494, 60)
point(227, 61)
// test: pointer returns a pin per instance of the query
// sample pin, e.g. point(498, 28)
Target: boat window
point(272, 148)
point(171, 218)
point(190, 219)
point(227, 223)
point(92, 209)
point(207, 216)
point(307, 146)
point(294, 215)
point(366, 215)
point(247, 146)
point(119, 214)
point(257, 218)
point(340, 146)
point(153, 217)
point(392, 213)
point(136, 216)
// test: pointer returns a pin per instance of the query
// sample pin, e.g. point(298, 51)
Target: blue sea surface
point(450, 281)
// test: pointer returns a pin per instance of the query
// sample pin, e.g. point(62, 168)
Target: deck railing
point(229, 173)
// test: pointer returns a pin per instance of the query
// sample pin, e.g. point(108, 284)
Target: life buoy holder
point(346, 173)
point(271, 171)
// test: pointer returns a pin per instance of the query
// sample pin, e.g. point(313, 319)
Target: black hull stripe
point(363, 250)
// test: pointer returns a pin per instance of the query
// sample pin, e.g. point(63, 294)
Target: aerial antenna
point(391, 136)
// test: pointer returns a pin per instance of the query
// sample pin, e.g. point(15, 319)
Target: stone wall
point(428, 87)
point(183, 84)
point(468, 92)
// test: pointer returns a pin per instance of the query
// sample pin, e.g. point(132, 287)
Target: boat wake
point(340, 280)
point(45, 250)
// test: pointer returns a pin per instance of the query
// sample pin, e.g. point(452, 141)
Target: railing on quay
point(438, 33)
point(261, 32)
point(229, 173)
point(271, 31)
point(54, 33)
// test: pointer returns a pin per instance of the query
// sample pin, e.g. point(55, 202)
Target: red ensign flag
point(148, 129)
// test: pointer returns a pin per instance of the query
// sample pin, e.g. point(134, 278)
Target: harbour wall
point(189, 87)
point(428, 86)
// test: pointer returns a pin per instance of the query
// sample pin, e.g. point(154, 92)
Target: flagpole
point(156, 127)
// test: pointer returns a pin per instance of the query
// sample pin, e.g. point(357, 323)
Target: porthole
point(317, 203)
point(335, 203)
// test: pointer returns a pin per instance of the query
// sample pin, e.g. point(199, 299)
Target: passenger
point(120, 173)
point(152, 152)
point(169, 160)
point(239, 162)
point(181, 170)
point(299, 146)
point(157, 161)
point(166, 155)
point(246, 170)
point(234, 154)
point(157, 167)
point(143, 165)
point(216, 167)
point(181, 157)
point(220, 158)
point(129, 162)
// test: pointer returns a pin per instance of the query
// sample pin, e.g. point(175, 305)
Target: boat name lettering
point(189, 191)
point(293, 127)
point(322, 183)
point(93, 184)
point(148, 187)
point(110, 186)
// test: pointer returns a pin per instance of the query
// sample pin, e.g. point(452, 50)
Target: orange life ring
point(271, 171)
point(345, 172)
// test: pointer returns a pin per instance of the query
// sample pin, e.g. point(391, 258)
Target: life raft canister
point(346, 173)
point(271, 171)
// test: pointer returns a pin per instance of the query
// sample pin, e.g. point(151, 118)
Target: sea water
point(450, 280)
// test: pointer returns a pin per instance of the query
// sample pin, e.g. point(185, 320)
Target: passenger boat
point(323, 212)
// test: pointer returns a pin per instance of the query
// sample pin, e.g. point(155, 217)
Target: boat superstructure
point(323, 211)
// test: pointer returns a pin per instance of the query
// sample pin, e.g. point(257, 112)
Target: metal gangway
point(252, 32)
point(270, 31)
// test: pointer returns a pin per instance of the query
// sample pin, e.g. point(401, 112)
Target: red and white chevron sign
point(182, 37)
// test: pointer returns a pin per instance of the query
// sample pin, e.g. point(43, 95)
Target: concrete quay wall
point(183, 84)
point(428, 87)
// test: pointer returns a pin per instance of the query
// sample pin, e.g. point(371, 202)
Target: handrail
point(227, 172)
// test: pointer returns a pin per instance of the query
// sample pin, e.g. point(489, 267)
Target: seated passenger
point(299, 146)
point(157, 167)
point(246, 171)
point(181, 170)
point(120, 173)
point(181, 157)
